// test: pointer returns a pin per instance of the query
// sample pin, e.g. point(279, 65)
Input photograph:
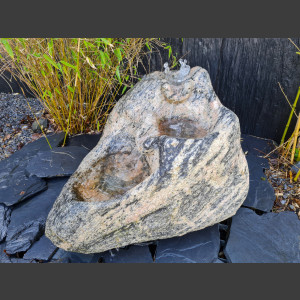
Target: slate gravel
point(15, 122)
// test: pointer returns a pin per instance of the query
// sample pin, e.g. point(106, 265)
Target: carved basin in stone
point(169, 162)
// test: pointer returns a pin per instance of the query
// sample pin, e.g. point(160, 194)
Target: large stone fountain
point(169, 162)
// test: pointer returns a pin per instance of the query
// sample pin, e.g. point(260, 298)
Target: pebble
point(292, 207)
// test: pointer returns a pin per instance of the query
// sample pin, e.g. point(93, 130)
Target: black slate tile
point(4, 221)
point(62, 256)
point(19, 239)
point(218, 261)
point(3, 257)
point(30, 215)
point(130, 254)
point(57, 162)
point(261, 194)
point(54, 139)
point(256, 145)
point(43, 249)
point(267, 238)
point(18, 186)
point(196, 247)
point(14, 260)
point(15, 183)
point(88, 141)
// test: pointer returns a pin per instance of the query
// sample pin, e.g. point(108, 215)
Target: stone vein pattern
point(169, 162)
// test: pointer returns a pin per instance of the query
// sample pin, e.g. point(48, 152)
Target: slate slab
point(14, 260)
point(62, 256)
point(17, 186)
point(130, 254)
point(88, 141)
point(3, 257)
point(10, 259)
point(268, 238)
point(57, 162)
point(28, 218)
point(20, 239)
point(41, 144)
point(196, 247)
point(15, 183)
point(43, 249)
point(261, 194)
point(256, 145)
point(4, 221)
point(218, 261)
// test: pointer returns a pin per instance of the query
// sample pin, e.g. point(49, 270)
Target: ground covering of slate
point(32, 178)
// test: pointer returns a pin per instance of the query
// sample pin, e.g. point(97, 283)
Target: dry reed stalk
point(295, 139)
point(291, 114)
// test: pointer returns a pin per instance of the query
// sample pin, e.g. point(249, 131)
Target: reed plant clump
point(77, 79)
point(290, 148)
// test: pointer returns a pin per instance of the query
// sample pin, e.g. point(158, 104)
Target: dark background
point(245, 73)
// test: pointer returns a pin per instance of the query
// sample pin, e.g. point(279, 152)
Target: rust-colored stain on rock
point(113, 176)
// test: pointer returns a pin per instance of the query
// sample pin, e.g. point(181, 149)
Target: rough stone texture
point(134, 254)
point(169, 162)
point(43, 249)
point(15, 183)
point(4, 221)
point(28, 219)
point(269, 238)
point(196, 247)
point(57, 162)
